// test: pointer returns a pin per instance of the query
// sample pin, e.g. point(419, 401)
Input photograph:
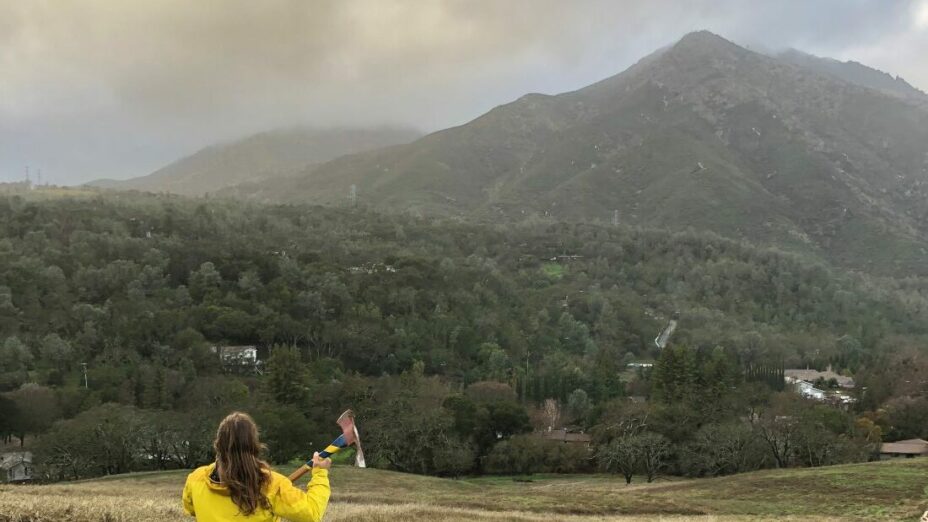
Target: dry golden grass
point(880, 491)
point(84, 505)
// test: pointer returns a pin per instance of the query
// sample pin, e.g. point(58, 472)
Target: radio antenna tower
point(615, 218)
point(353, 195)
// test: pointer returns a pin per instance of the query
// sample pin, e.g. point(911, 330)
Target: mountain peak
point(704, 44)
point(704, 40)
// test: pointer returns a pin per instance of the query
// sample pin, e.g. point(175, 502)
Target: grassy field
point(877, 491)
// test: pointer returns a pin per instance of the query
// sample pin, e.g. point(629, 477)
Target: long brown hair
point(238, 462)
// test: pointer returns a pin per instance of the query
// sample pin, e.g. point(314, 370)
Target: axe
point(348, 437)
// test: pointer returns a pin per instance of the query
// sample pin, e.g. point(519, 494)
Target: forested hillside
point(703, 134)
point(447, 335)
point(259, 157)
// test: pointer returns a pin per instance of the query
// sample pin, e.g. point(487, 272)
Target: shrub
point(527, 454)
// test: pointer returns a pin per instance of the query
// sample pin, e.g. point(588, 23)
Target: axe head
point(350, 431)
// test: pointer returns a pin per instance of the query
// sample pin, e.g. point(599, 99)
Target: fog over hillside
point(703, 134)
point(262, 156)
point(93, 89)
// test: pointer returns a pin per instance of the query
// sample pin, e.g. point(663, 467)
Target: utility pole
point(84, 368)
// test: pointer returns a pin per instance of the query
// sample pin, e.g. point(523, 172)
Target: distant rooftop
point(814, 375)
point(905, 447)
point(7, 460)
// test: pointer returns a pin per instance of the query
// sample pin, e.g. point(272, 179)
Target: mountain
point(702, 134)
point(854, 72)
point(260, 157)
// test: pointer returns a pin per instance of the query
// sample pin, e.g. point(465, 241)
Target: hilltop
point(874, 491)
point(703, 134)
point(259, 157)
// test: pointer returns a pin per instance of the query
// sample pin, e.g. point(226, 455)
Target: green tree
point(286, 376)
point(193, 346)
point(14, 355)
point(104, 440)
point(578, 402)
point(498, 421)
point(8, 416)
point(205, 281)
point(37, 408)
point(186, 438)
point(287, 433)
point(464, 413)
point(675, 378)
point(56, 350)
point(495, 360)
point(416, 442)
point(521, 455)
point(723, 449)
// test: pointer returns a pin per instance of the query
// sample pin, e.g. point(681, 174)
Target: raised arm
point(297, 505)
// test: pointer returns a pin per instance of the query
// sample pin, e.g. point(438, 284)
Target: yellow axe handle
point(329, 450)
point(302, 470)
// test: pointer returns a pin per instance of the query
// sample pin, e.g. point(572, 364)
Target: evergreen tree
point(286, 376)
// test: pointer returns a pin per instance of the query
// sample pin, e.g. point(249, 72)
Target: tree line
point(481, 334)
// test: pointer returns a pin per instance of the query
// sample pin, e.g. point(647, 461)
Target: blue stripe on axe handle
point(348, 437)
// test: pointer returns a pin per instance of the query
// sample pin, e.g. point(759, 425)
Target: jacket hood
point(210, 476)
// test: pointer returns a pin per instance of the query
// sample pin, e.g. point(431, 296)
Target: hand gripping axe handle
point(348, 437)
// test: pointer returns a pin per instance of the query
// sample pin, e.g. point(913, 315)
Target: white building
point(244, 354)
point(809, 375)
point(16, 466)
point(238, 358)
point(806, 389)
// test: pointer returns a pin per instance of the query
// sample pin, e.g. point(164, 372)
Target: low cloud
point(98, 88)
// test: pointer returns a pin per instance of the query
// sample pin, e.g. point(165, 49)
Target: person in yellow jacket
point(240, 486)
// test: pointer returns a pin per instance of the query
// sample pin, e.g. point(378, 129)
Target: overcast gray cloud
point(97, 88)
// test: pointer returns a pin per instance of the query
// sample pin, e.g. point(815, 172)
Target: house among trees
point(816, 385)
point(562, 435)
point(814, 376)
point(237, 357)
point(903, 449)
point(806, 389)
point(16, 466)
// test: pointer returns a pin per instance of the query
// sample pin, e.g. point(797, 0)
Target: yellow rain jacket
point(209, 501)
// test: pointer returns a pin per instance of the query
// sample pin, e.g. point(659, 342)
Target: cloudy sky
point(115, 88)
